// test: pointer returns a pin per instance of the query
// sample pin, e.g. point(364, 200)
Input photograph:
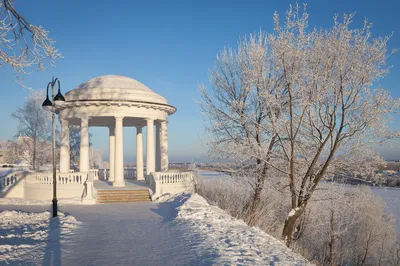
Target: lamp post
point(47, 105)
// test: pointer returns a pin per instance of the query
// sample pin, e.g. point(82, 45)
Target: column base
point(118, 184)
point(111, 179)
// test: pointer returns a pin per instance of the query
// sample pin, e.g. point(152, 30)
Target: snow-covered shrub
point(346, 226)
point(342, 225)
point(234, 195)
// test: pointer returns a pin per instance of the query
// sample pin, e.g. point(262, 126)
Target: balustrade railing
point(95, 173)
point(10, 180)
point(172, 177)
point(129, 173)
point(170, 182)
point(62, 179)
point(104, 174)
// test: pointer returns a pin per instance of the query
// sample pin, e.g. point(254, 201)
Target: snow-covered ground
point(21, 201)
point(179, 230)
point(235, 241)
point(24, 236)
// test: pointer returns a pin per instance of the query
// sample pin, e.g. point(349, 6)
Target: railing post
point(88, 199)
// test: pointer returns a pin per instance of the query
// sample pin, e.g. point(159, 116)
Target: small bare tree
point(23, 45)
point(33, 130)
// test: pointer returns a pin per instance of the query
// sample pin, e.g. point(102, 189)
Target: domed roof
point(114, 88)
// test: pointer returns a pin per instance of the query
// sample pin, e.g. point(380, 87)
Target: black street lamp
point(47, 105)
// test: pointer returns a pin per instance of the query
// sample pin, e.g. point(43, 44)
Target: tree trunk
point(332, 240)
point(366, 252)
point(290, 222)
point(256, 198)
point(254, 205)
point(34, 154)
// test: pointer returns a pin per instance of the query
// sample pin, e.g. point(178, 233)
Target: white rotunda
point(115, 102)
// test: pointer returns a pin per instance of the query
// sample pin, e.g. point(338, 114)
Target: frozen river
point(392, 198)
point(390, 195)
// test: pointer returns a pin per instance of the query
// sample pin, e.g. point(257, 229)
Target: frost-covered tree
point(301, 104)
point(237, 116)
point(332, 114)
point(23, 46)
point(34, 128)
point(346, 225)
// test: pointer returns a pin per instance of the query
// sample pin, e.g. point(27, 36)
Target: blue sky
point(169, 46)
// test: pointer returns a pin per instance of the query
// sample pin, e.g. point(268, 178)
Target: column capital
point(119, 118)
point(149, 119)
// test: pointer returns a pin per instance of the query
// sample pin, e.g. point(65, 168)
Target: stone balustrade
point(104, 174)
point(170, 182)
point(10, 180)
point(62, 179)
point(38, 185)
point(95, 173)
point(129, 173)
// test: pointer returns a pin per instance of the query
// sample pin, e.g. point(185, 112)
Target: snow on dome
point(114, 88)
point(113, 81)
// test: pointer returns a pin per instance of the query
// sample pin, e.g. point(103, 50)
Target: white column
point(150, 147)
point(158, 148)
point(64, 147)
point(84, 149)
point(112, 152)
point(139, 153)
point(164, 146)
point(119, 154)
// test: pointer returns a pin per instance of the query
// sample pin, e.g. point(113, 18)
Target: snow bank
point(24, 234)
point(235, 241)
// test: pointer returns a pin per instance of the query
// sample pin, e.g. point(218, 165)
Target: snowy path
point(123, 234)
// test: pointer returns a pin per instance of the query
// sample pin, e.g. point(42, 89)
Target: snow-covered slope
point(235, 241)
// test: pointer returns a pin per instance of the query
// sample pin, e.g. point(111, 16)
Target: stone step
point(125, 194)
point(123, 191)
point(122, 200)
point(115, 196)
point(124, 197)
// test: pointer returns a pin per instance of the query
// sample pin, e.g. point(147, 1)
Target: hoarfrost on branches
point(23, 46)
point(300, 104)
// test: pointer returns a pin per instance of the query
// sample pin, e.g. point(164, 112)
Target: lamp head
point(47, 105)
point(59, 99)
